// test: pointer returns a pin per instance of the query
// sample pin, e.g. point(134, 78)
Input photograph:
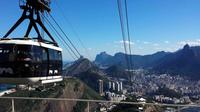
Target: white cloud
point(126, 42)
point(158, 48)
point(89, 49)
point(138, 41)
point(171, 49)
point(166, 42)
point(145, 42)
point(198, 40)
point(155, 44)
point(190, 42)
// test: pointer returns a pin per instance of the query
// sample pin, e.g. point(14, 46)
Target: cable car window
point(56, 55)
point(36, 53)
point(24, 53)
point(59, 56)
point(6, 53)
point(51, 54)
point(44, 62)
point(44, 54)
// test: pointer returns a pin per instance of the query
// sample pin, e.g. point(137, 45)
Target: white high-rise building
point(118, 86)
point(113, 86)
point(101, 87)
point(121, 87)
point(109, 85)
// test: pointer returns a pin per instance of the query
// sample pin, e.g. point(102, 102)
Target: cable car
point(30, 60)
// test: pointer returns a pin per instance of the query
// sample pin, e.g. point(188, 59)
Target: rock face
point(103, 57)
point(184, 62)
point(72, 88)
point(81, 65)
point(82, 86)
point(138, 61)
point(117, 72)
point(87, 72)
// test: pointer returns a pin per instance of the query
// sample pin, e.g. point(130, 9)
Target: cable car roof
point(29, 42)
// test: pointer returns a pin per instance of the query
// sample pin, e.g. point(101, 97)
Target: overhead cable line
point(61, 37)
point(63, 40)
point(65, 35)
point(68, 51)
point(127, 49)
point(52, 29)
point(73, 30)
point(128, 34)
point(123, 32)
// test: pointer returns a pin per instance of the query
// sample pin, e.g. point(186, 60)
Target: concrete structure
point(121, 87)
point(113, 86)
point(118, 86)
point(115, 97)
point(101, 88)
point(109, 85)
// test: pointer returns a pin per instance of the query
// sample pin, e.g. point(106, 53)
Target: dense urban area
point(156, 88)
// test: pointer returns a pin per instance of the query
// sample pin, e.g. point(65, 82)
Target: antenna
point(32, 10)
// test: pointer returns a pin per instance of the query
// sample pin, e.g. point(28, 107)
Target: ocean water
point(4, 87)
point(192, 109)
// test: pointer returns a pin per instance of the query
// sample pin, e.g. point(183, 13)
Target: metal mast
point(31, 11)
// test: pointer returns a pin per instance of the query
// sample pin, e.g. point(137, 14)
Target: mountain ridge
point(185, 61)
point(139, 61)
point(87, 72)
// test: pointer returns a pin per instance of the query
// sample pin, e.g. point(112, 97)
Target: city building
point(113, 86)
point(109, 85)
point(121, 87)
point(118, 86)
point(101, 88)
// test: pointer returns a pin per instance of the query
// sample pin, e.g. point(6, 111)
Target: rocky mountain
point(79, 66)
point(70, 88)
point(103, 58)
point(82, 84)
point(138, 61)
point(117, 72)
point(184, 62)
point(87, 72)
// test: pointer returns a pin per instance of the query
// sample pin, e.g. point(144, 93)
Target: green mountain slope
point(71, 88)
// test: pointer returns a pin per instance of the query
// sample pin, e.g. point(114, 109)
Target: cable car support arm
point(31, 9)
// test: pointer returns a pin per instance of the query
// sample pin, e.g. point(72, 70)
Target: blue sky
point(155, 25)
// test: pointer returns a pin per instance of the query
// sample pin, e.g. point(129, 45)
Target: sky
point(155, 25)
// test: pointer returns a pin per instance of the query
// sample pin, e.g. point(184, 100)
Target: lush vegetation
point(88, 94)
point(53, 92)
point(91, 79)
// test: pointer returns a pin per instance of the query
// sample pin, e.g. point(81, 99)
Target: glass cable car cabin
point(29, 61)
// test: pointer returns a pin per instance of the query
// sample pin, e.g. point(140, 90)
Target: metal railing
point(178, 106)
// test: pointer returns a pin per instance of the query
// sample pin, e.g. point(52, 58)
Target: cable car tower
point(32, 9)
point(30, 60)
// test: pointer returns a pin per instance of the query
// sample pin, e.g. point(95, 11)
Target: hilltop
point(139, 61)
point(69, 88)
point(87, 72)
point(185, 61)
